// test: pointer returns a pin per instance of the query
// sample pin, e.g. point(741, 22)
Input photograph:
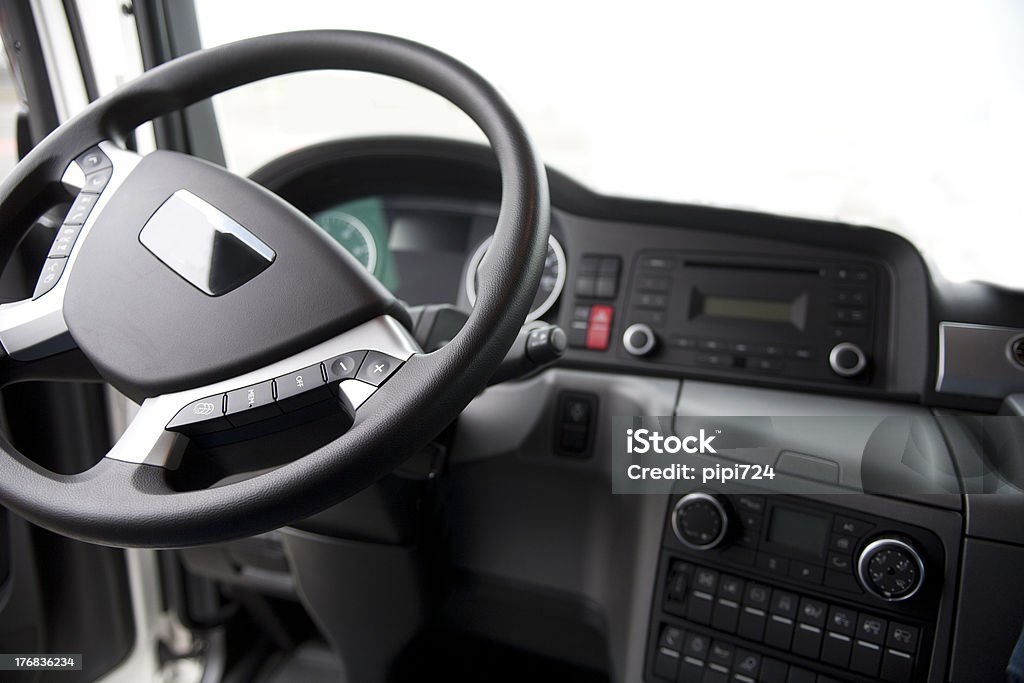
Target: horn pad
point(192, 275)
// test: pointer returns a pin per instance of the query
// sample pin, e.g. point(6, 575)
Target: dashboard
point(673, 290)
point(744, 312)
point(689, 311)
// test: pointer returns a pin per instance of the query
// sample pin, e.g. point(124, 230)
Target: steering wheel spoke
point(35, 328)
point(34, 334)
point(335, 377)
point(31, 329)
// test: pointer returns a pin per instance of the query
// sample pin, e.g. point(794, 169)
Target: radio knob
point(890, 569)
point(847, 359)
point(639, 339)
point(700, 521)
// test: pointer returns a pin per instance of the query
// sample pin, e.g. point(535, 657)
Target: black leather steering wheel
point(214, 304)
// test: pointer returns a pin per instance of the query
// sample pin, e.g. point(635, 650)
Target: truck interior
point(329, 335)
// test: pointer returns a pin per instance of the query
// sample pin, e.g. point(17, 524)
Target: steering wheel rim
point(129, 504)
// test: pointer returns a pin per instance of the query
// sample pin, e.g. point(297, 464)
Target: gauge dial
point(351, 233)
point(551, 282)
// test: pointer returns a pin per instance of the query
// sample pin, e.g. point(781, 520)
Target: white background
point(902, 114)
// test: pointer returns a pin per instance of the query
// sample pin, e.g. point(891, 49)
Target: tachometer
point(351, 233)
point(551, 282)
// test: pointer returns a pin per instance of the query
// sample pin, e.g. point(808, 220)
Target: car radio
point(773, 588)
point(810, 320)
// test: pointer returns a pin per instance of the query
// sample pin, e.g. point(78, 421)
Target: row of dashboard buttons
point(97, 169)
point(835, 635)
point(689, 657)
point(650, 290)
point(852, 274)
point(854, 297)
point(850, 316)
point(721, 360)
point(657, 262)
point(289, 393)
point(844, 274)
point(724, 346)
point(649, 300)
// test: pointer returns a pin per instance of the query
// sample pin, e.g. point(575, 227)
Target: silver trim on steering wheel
point(31, 329)
point(147, 442)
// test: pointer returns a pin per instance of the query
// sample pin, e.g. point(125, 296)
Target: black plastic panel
point(989, 615)
point(589, 223)
point(763, 563)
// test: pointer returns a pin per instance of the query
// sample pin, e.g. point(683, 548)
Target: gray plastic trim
point(975, 360)
point(575, 538)
point(833, 430)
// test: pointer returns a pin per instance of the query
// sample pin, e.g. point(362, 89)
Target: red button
point(599, 329)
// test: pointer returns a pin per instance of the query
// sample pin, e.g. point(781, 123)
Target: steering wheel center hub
point(164, 294)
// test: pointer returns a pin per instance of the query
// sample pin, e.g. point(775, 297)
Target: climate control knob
point(639, 339)
point(890, 569)
point(700, 521)
point(847, 359)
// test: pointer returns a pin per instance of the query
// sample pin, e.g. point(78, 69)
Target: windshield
point(905, 116)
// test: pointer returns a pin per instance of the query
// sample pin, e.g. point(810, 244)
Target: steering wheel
point(228, 315)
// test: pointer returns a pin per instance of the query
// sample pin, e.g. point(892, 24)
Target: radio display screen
point(801, 531)
point(748, 309)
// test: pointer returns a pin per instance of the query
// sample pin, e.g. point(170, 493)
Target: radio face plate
point(758, 316)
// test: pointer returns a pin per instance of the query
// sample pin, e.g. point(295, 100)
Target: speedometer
point(551, 282)
point(351, 233)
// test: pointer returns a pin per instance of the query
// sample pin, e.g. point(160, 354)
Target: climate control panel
point(777, 588)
